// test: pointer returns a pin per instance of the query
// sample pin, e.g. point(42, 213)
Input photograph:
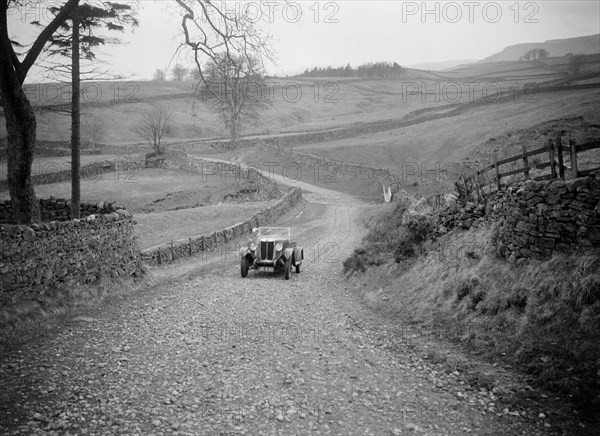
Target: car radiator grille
point(266, 250)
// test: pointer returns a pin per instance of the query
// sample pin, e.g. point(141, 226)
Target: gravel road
point(216, 354)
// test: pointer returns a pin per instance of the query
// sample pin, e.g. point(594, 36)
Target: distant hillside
point(555, 47)
point(442, 65)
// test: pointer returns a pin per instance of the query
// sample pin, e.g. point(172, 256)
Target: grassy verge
point(542, 317)
point(35, 315)
point(399, 235)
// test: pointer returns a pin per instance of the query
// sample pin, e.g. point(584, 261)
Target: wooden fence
point(556, 152)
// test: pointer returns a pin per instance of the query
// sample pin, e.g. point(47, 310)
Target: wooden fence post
point(525, 162)
point(551, 157)
point(561, 167)
point(497, 171)
point(573, 150)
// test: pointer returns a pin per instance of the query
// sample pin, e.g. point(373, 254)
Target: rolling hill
point(556, 47)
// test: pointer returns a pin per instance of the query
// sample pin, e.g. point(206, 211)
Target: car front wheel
point(287, 268)
point(244, 266)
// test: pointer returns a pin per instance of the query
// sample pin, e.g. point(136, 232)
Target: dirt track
point(218, 354)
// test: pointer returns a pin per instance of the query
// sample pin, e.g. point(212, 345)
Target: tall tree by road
point(75, 119)
point(20, 118)
point(235, 88)
point(66, 43)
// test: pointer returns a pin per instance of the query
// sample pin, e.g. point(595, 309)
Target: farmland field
point(463, 133)
point(297, 104)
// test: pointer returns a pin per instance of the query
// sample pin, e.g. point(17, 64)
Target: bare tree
point(153, 127)
point(211, 34)
point(95, 129)
point(179, 72)
point(160, 75)
point(235, 88)
point(208, 32)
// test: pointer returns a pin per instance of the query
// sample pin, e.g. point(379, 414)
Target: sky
point(334, 33)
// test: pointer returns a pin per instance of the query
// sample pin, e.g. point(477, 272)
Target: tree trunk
point(20, 133)
point(20, 130)
point(75, 119)
point(233, 133)
point(20, 118)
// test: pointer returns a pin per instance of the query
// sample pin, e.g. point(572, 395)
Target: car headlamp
point(278, 246)
point(252, 246)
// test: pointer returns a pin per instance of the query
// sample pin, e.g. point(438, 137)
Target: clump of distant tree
point(536, 53)
point(370, 70)
point(179, 72)
point(160, 75)
point(380, 70)
point(346, 71)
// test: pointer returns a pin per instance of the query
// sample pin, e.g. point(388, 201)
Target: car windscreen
point(282, 232)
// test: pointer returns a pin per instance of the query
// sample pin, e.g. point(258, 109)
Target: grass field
point(146, 190)
point(162, 227)
point(471, 135)
point(297, 103)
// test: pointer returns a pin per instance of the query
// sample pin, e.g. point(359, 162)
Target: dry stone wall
point(306, 137)
point(209, 244)
point(461, 216)
point(58, 209)
point(536, 218)
point(66, 253)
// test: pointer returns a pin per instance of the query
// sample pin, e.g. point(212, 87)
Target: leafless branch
point(153, 127)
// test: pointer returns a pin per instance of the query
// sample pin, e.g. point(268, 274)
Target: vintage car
point(272, 247)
